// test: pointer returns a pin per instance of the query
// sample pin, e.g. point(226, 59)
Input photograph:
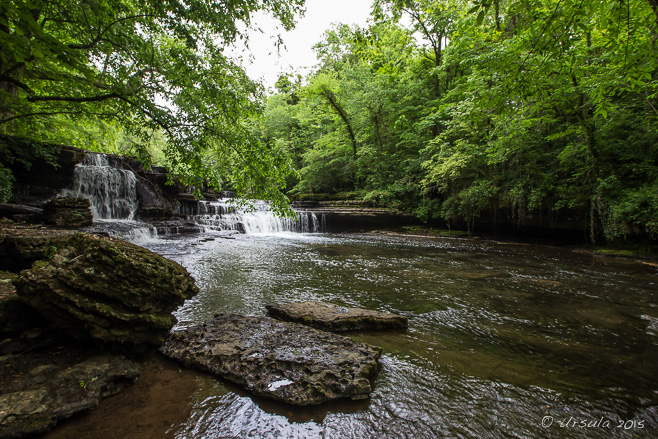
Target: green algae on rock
point(279, 360)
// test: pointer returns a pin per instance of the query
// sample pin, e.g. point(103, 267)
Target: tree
point(147, 65)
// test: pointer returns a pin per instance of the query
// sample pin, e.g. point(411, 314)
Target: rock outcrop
point(20, 212)
point(20, 246)
point(38, 390)
point(102, 288)
point(68, 212)
point(280, 360)
point(330, 317)
point(36, 178)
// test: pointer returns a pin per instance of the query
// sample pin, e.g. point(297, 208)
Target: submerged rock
point(38, 390)
point(280, 360)
point(106, 289)
point(332, 317)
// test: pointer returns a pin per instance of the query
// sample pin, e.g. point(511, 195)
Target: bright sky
point(298, 55)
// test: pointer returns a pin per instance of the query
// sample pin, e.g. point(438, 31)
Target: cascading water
point(111, 190)
point(112, 194)
point(259, 219)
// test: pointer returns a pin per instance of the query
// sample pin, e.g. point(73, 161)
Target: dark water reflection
point(501, 338)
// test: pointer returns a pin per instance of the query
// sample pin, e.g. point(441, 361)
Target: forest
point(443, 109)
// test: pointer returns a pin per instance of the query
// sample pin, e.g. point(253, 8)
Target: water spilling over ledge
point(256, 218)
point(110, 189)
point(117, 199)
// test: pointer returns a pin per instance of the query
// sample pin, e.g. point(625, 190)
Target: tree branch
point(54, 113)
point(98, 98)
point(101, 33)
point(16, 82)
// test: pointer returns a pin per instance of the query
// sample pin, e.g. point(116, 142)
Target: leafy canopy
point(147, 66)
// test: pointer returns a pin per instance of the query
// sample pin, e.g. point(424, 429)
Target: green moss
point(40, 264)
point(8, 276)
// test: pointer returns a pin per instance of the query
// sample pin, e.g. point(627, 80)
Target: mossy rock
point(107, 289)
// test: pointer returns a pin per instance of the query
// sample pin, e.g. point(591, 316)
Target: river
point(504, 340)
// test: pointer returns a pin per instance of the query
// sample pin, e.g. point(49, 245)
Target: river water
point(504, 340)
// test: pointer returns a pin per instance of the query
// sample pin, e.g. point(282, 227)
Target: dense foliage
point(449, 109)
point(453, 109)
point(135, 69)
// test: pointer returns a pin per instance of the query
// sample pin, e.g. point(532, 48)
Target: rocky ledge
point(280, 360)
point(94, 287)
point(330, 317)
point(68, 212)
point(106, 289)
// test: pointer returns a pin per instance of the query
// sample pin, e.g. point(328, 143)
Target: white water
point(137, 232)
point(111, 191)
point(251, 220)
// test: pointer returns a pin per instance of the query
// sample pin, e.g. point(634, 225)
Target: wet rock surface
point(105, 289)
point(280, 360)
point(36, 390)
point(330, 317)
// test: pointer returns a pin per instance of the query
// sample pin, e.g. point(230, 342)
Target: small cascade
point(259, 219)
point(110, 189)
point(137, 232)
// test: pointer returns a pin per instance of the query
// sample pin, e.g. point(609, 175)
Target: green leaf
point(480, 18)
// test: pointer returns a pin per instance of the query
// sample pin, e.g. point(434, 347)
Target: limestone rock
point(106, 289)
point(38, 390)
point(280, 360)
point(152, 205)
point(21, 212)
point(332, 317)
point(68, 212)
point(21, 246)
point(41, 170)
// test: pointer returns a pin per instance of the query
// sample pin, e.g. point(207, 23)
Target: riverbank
point(646, 253)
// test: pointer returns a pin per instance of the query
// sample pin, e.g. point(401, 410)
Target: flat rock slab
point(330, 317)
point(280, 360)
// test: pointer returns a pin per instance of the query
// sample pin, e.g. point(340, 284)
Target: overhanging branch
point(98, 98)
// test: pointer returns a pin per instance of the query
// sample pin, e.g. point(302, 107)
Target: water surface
point(504, 340)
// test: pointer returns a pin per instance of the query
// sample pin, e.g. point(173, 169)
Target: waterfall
point(110, 189)
point(112, 193)
point(257, 219)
